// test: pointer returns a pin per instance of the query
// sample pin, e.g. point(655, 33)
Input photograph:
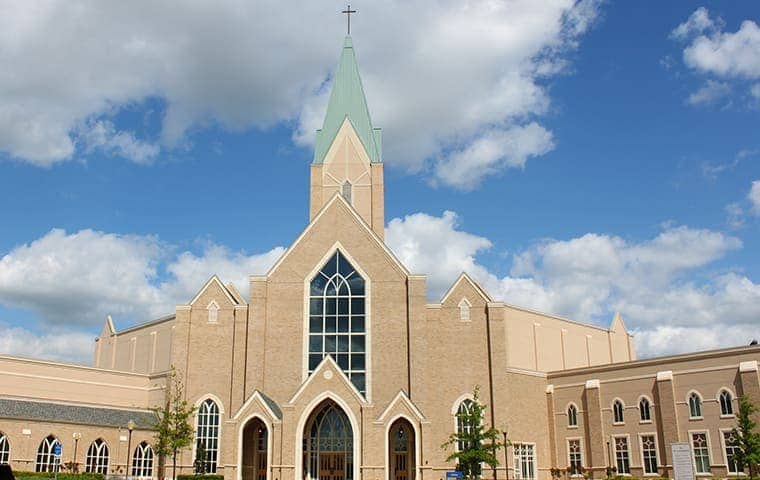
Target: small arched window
point(617, 412)
point(97, 457)
point(645, 411)
point(464, 310)
point(207, 434)
point(726, 403)
point(572, 416)
point(213, 312)
point(695, 405)
point(5, 449)
point(46, 461)
point(142, 461)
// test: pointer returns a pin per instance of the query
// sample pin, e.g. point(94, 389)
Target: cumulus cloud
point(65, 345)
point(754, 197)
point(436, 81)
point(697, 23)
point(75, 279)
point(709, 93)
point(652, 282)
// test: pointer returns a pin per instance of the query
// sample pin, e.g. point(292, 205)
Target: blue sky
point(579, 159)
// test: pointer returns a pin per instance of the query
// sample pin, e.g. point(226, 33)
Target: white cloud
point(65, 345)
point(725, 54)
point(78, 278)
point(698, 22)
point(102, 135)
point(652, 282)
point(754, 197)
point(709, 93)
point(435, 80)
point(734, 215)
point(492, 152)
point(755, 91)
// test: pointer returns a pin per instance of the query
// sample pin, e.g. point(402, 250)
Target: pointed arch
point(694, 399)
point(464, 309)
point(98, 457)
point(726, 402)
point(213, 312)
point(416, 445)
point(46, 461)
point(572, 415)
point(307, 414)
point(5, 449)
point(244, 435)
point(645, 409)
point(142, 461)
point(208, 430)
point(618, 411)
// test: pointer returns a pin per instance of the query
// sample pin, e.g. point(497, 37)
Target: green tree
point(747, 438)
point(474, 444)
point(173, 428)
point(200, 465)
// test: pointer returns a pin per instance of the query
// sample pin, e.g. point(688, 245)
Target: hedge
point(200, 477)
point(61, 476)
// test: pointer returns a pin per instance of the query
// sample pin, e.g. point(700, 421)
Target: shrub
point(61, 476)
point(200, 477)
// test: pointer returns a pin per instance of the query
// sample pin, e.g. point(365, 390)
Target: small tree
point(747, 439)
point(173, 429)
point(200, 465)
point(475, 444)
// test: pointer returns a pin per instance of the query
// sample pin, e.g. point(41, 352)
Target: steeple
point(348, 152)
point(347, 101)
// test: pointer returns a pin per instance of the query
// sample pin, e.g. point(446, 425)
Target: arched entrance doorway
point(328, 444)
point(255, 444)
point(401, 450)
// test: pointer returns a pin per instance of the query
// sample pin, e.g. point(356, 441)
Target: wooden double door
point(255, 443)
point(332, 466)
point(402, 451)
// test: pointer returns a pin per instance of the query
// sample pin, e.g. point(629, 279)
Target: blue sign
point(454, 474)
point(57, 449)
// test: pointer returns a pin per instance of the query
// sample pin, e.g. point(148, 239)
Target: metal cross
point(348, 13)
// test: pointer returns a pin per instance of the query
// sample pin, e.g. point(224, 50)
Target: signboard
point(454, 474)
point(683, 469)
point(57, 449)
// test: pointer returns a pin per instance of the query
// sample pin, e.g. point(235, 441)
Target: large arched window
point(5, 449)
point(464, 421)
point(45, 459)
point(572, 416)
point(645, 410)
point(142, 461)
point(337, 319)
point(328, 444)
point(97, 457)
point(617, 412)
point(207, 433)
point(726, 403)
point(695, 405)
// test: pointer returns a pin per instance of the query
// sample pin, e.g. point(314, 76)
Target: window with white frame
point(46, 461)
point(622, 456)
point(572, 416)
point(464, 310)
point(142, 461)
point(695, 405)
point(645, 412)
point(97, 457)
point(726, 403)
point(731, 445)
point(701, 451)
point(207, 433)
point(337, 319)
point(464, 421)
point(5, 449)
point(649, 454)
point(617, 412)
point(575, 456)
point(525, 461)
point(213, 312)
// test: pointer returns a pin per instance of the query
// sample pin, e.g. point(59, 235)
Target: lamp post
point(505, 432)
point(74, 466)
point(130, 427)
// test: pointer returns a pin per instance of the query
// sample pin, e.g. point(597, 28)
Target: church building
point(336, 366)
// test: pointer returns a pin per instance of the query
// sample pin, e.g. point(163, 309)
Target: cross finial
point(348, 13)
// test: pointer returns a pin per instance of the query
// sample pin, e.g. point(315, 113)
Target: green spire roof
point(347, 100)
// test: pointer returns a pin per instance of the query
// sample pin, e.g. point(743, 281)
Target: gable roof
point(214, 279)
point(403, 398)
point(338, 198)
point(473, 283)
point(347, 101)
point(328, 363)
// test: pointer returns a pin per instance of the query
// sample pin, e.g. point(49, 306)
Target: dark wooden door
point(332, 466)
point(401, 465)
point(401, 454)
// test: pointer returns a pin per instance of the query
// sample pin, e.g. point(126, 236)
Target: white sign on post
point(682, 466)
